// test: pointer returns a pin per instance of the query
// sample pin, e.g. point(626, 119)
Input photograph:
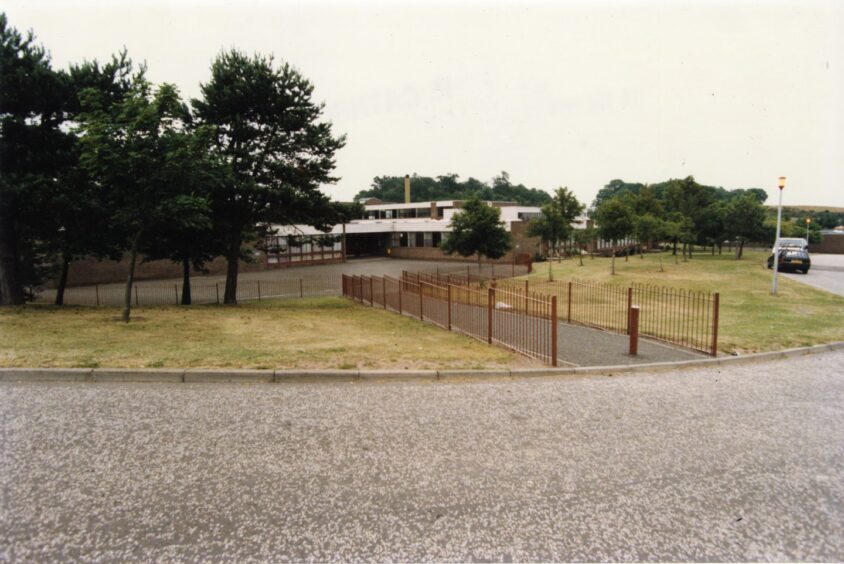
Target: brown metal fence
point(680, 317)
point(201, 293)
point(526, 324)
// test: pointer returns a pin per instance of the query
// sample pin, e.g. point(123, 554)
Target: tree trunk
point(740, 250)
point(720, 246)
point(660, 262)
point(612, 262)
point(62, 280)
point(580, 254)
point(550, 274)
point(642, 251)
point(691, 248)
point(186, 299)
point(675, 246)
point(127, 294)
point(232, 257)
point(11, 288)
point(627, 253)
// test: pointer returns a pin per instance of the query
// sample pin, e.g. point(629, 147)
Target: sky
point(555, 93)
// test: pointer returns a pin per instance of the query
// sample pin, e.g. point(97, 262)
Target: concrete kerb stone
point(293, 376)
point(157, 375)
point(473, 374)
point(45, 374)
point(228, 376)
point(398, 375)
point(300, 376)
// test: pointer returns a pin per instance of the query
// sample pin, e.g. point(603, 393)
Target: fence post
point(553, 330)
point(301, 292)
point(259, 290)
point(176, 291)
point(634, 330)
point(527, 293)
point(421, 312)
point(715, 307)
point(449, 306)
point(568, 307)
point(97, 290)
point(384, 291)
point(629, 309)
point(491, 306)
point(217, 288)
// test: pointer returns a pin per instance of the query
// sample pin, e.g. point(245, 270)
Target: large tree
point(477, 230)
point(139, 152)
point(268, 131)
point(744, 220)
point(30, 137)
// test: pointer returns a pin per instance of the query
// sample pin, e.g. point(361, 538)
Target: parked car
point(791, 243)
point(792, 259)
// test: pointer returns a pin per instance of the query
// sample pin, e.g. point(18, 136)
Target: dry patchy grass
point(310, 333)
point(751, 319)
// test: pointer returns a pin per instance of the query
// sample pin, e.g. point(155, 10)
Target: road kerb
point(45, 374)
point(229, 376)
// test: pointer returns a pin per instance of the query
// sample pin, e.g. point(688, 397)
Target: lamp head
point(782, 182)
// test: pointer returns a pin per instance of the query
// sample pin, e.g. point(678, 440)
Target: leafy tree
point(615, 221)
point(647, 228)
point(582, 237)
point(138, 152)
point(477, 229)
point(267, 130)
point(554, 226)
point(745, 219)
point(30, 137)
point(77, 223)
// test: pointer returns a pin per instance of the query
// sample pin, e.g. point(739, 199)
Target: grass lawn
point(751, 319)
point(309, 333)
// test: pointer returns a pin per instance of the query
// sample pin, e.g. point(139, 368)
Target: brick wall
point(833, 244)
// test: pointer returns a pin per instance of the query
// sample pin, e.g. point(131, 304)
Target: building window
point(429, 240)
point(420, 239)
point(436, 238)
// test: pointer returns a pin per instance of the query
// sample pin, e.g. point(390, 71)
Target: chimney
point(406, 188)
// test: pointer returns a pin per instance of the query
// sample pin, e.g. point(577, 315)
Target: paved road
point(745, 464)
point(827, 273)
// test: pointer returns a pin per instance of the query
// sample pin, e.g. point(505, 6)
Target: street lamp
point(808, 222)
point(781, 184)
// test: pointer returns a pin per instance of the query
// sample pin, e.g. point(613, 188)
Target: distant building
point(415, 230)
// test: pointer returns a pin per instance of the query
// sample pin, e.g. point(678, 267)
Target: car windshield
point(792, 243)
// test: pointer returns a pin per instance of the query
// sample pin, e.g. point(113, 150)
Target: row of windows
point(411, 213)
point(416, 239)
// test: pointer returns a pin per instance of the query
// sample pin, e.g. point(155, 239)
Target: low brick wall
point(832, 244)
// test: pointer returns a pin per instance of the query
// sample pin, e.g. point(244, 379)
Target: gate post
point(449, 307)
point(490, 308)
point(715, 307)
point(629, 309)
point(553, 330)
point(634, 330)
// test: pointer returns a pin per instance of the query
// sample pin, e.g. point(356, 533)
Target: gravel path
point(738, 464)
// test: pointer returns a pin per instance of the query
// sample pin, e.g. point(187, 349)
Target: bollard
point(634, 330)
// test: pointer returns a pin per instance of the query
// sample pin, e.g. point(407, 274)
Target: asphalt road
point(827, 273)
point(745, 464)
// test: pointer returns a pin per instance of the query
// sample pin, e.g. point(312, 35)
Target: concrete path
point(827, 273)
point(744, 464)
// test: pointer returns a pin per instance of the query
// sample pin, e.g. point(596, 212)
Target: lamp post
point(781, 184)
point(808, 222)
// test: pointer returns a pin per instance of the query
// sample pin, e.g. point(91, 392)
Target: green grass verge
point(309, 333)
point(751, 318)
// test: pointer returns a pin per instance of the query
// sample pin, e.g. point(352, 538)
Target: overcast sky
point(556, 93)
